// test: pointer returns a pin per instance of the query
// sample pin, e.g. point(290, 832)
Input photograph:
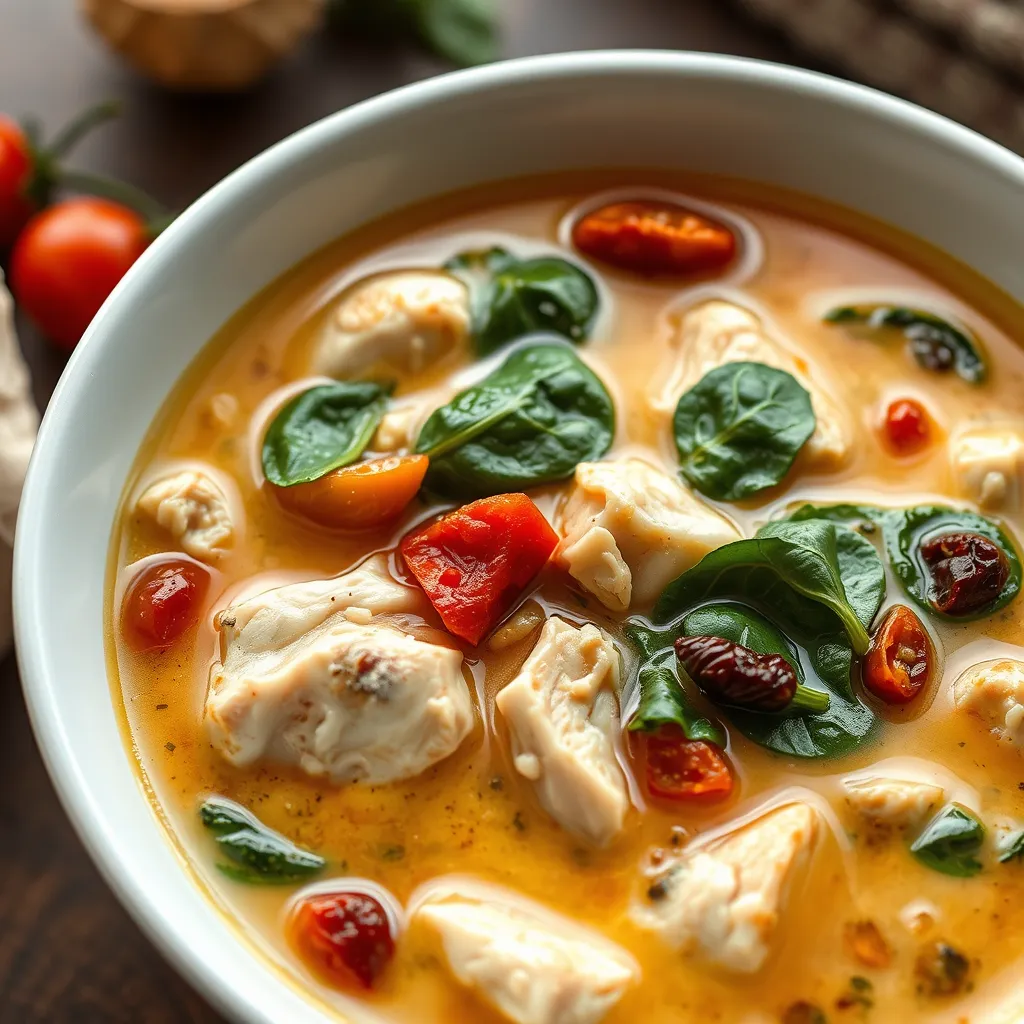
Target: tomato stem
point(80, 126)
point(156, 214)
point(807, 699)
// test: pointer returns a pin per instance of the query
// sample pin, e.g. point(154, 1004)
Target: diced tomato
point(346, 936)
point(653, 237)
point(907, 426)
point(899, 661)
point(163, 602)
point(475, 562)
point(682, 769)
point(360, 496)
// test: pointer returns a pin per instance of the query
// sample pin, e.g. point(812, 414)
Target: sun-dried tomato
point(653, 237)
point(733, 674)
point(968, 572)
point(682, 769)
point(899, 661)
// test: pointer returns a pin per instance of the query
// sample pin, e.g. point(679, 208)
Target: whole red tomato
point(68, 259)
point(15, 178)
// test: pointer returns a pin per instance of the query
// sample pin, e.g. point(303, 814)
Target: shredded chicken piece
point(193, 508)
point(993, 691)
point(531, 965)
point(561, 714)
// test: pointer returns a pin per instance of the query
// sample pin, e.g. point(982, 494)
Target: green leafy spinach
point(531, 422)
point(511, 298)
point(260, 855)
point(838, 729)
point(950, 841)
point(934, 342)
point(739, 428)
point(322, 429)
point(906, 529)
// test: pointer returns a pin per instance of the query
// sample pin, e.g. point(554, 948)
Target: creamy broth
point(472, 814)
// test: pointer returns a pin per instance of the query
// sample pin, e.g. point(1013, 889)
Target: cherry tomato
point(907, 426)
point(15, 178)
point(654, 238)
point(345, 935)
point(899, 660)
point(968, 572)
point(358, 497)
point(682, 769)
point(475, 562)
point(68, 259)
point(163, 602)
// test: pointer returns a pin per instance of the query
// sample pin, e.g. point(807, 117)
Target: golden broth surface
point(471, 814)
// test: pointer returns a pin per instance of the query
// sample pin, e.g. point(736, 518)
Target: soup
point(594, 600)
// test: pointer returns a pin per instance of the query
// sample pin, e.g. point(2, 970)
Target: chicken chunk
point(531, 965)
point(718, 332)
point(628, 529)
point(194, 509)
point(889, 803)
point(561, 711)
point(724, 900)
point(405, 321)
point(310, 674)
point(993, 691)
point(987, 463)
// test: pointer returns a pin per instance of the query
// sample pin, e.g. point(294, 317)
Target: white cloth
point(18, 424)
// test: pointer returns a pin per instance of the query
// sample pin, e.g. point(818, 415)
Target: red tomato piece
point(163, 602)
point(652, 237)
point(899, 661)
point(690, 770)
point(907, 426)
point(68, 259)
point(15, 177)
point(345, 935)
point(475, 562)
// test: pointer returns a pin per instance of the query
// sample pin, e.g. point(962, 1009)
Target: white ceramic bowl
point(847, 144)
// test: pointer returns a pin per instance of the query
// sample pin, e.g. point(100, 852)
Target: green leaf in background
point(906, 529)
point(950, 841)
point(662, 701)
point(259, 854)
point(464, 32)
point(739, 429)
point(935, 343)
point(530, 422)
point(322, 429)
point(512, 298)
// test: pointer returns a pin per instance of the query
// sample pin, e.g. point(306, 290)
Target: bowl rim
point(42, 694)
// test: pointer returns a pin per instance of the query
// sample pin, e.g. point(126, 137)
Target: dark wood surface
point(68, 952)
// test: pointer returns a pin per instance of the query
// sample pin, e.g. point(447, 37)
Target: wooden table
point(68, 953)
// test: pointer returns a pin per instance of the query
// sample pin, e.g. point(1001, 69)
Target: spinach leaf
point(789, 569)
point(841, 728)
point(531, 422)
point(664, 702)
point(906, 529)
point(739, 428)
point(260, 855)
point(950, 841)
point(463, 31)
point(511, 298)
point(860, 567)
point(322, 429)
point(1011, 847)
point(935, 343)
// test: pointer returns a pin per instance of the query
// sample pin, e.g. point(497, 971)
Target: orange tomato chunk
point(654, 238)
point(475, 562)
point(899, 660)
point(907, 426)
point(360, 496)
point(695, 771)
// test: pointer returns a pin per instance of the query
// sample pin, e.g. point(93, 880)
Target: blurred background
point(203, 85)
